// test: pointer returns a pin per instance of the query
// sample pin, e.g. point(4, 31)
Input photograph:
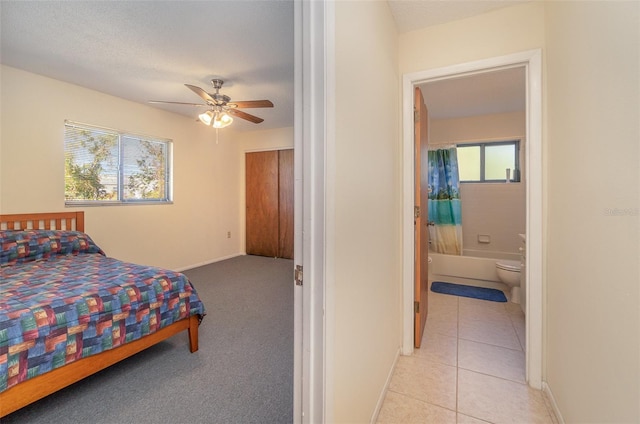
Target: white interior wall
point(497, 33)
point(593, 192)
point(494, 209)
point(501, 126)
point(363, 228)
point(191, 231)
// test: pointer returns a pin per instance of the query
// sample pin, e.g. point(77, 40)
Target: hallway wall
point(363, 213)
point(593, 192)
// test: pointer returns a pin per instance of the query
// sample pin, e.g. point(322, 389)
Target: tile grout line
point(407, 395)
point(493, 345)
point(513, 324)
point(497, 377)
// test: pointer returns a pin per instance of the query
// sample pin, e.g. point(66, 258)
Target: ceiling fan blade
point(251, 103)
point(200, 92)
point(177, 103)
point(244, 115)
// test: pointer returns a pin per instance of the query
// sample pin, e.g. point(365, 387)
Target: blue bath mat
point(483, 293)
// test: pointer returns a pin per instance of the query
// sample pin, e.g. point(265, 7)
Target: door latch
point(297, 273)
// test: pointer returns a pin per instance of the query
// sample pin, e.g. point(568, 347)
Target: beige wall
point(276, 139)
point(497, 33)
point(363, 243)
point(191, 231)
point(593, 278)
point(502, 126)
point(493, 209)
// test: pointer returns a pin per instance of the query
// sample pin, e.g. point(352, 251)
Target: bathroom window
point(492, 162)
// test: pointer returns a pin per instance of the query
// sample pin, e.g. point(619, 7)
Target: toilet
point(509, 274)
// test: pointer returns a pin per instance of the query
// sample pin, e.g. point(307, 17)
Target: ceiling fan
point(221, 107)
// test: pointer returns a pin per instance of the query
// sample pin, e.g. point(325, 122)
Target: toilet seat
point(508, 265)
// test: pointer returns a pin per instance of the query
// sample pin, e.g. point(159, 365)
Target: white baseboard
point(383, 393)
point(551, 401)
point(181, 269)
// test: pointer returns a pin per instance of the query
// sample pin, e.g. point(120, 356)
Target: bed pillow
point(34, 245)
point(12, 247)
point(75, 242)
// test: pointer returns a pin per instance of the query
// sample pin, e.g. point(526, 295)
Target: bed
point(68, 311)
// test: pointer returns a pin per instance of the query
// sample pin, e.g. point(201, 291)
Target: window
point(104, 166)
point(489, 162)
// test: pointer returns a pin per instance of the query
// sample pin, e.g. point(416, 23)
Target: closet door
point(269, 203)
point(262, 199)
point(285, 166)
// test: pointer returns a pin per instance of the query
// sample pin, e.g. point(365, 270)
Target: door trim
point(532, 61)
point(313, 129)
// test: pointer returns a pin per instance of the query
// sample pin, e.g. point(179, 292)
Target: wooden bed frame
point(43, 385)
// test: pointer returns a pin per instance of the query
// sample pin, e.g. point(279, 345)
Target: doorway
point(531, 61)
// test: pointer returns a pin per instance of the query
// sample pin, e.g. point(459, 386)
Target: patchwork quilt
point(62, 299)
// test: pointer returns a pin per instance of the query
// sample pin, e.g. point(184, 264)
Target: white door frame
point(532, 61)
point(313, 25)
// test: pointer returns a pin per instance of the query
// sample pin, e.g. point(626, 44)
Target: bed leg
point(193, 333)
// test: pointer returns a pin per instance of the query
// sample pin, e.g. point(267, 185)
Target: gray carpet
point(242, 373)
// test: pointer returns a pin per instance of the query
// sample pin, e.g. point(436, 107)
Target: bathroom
point(493, 213)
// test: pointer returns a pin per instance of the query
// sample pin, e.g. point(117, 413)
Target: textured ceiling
point(148, 50)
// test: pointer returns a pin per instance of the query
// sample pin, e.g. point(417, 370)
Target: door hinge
point(416, 115)
point(416, 307)
point(416, 212)
point(298, 275)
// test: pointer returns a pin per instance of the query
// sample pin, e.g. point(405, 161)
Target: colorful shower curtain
point(445, 212)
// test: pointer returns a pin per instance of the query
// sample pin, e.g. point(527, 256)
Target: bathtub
point(474, 268)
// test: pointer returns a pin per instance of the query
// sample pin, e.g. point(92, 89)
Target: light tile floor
point(470, 368)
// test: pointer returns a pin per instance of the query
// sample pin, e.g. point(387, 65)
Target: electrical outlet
point(228, 234)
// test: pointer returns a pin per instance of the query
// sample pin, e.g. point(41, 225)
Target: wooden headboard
point(43, 221)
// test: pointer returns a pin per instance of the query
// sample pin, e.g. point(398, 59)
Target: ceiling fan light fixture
point(221, 119)
point(220, 106)
point(206, 117)
point(215, 118)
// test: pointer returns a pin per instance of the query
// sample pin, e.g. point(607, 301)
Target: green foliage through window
point(108, 167)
